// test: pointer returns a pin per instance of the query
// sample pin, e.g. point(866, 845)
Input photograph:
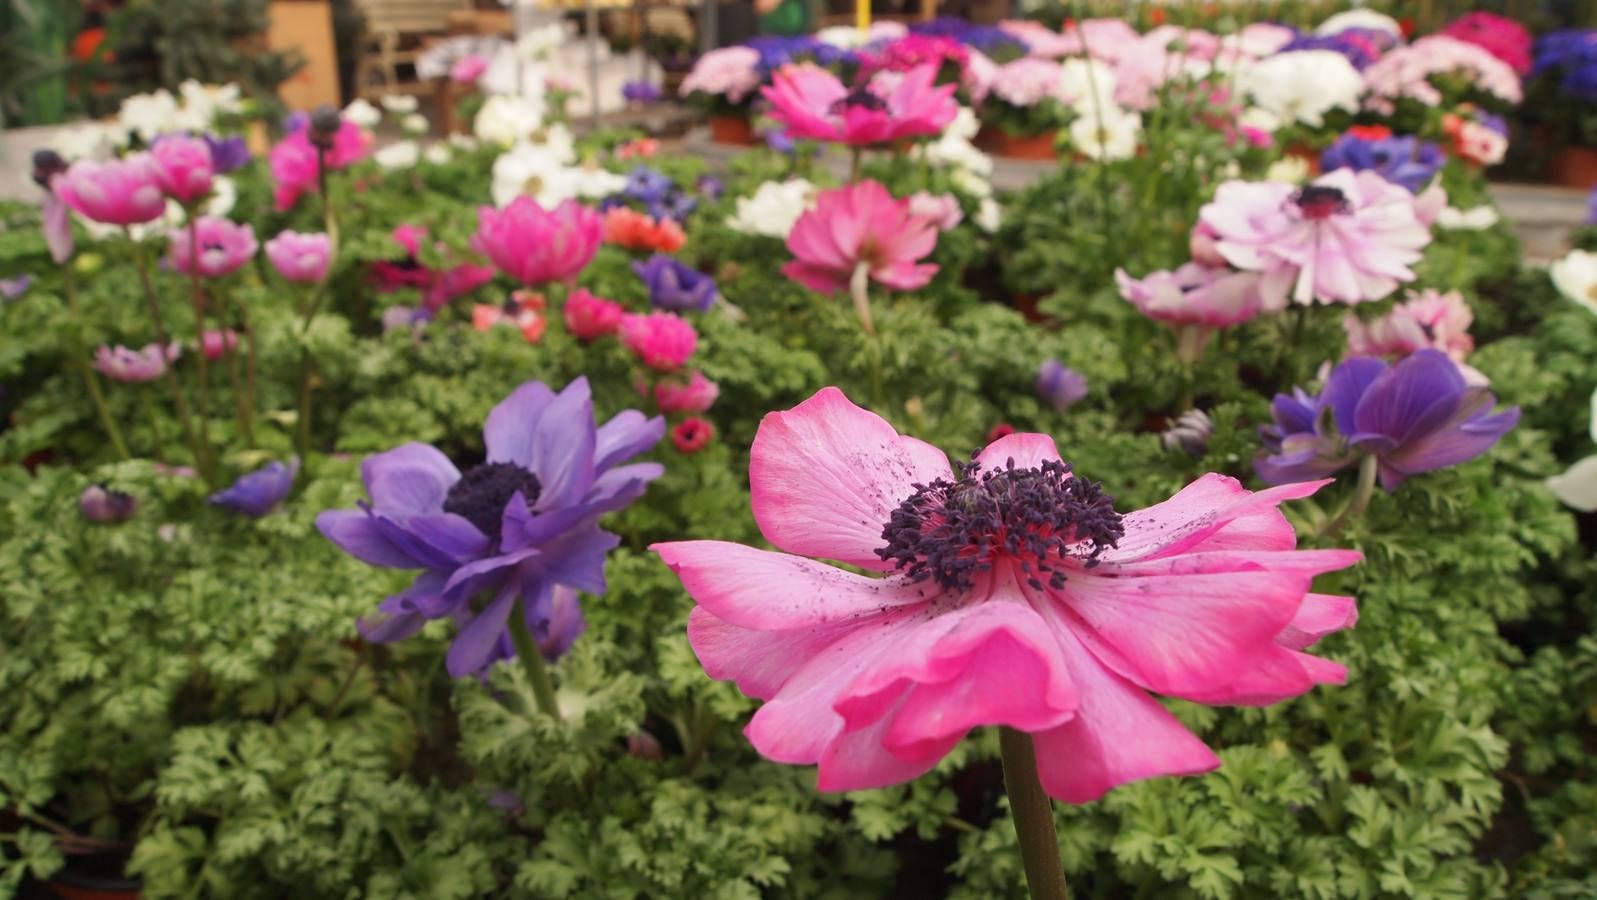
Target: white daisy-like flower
point(148, 115)
point(504, 119)
point(1303, 85)
point(1109, 135)
point(362, 113)
point(774, 208)
point(401, 104)
point(1478, 218)
point(401, 155)
point(1575, 276)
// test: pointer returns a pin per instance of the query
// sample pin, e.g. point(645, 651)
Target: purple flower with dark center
point(259, 492)
point(1413, 417)
point(641, 92)
point(228, 154)
point(12, 288)
point(1402, 160)
point(645, 184)
point(675, 205)
point(674, 285)
point(512, 530)
point(101, 504)
point(1060, 385)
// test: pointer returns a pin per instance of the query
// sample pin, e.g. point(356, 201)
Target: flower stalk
point(859, 286)
point(1033, 814)
point(90, 381)
point(241, 402)
point(197, 299)
point(200, 450)
point(543, 689)
point(1369, 468)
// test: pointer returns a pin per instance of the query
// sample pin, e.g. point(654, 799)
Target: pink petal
point(1278, 675)
point(1120, 735)
point(857, 761)
point(1028, 450)
point(760, 662)
point(1199, 512)
point(826, 475)
point(769, 591)
point(1318, 616)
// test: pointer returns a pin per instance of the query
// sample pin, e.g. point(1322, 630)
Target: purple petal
point(356, 533)
point(473, 648)
point(622, 485)
point(412, 479)
point(512, 424)
point(577, 559)
point(403, 614)
point(562, 447)
point(450, 534)
point(1348, 384)
point(627, 434)
point(561, 625)
point(258, 492)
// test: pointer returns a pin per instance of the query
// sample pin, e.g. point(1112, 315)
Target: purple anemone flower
point(674, 285)
point(228, 154)
point(517, 527)
point(1060, 385)
point(1403, 160)
point(257, 493)
point(645, 184)
point(12, 288)
point(1414, 416)
point(641, 92)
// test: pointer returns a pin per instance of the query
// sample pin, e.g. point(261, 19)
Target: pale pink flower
point(301, 257)
point(224, 246)
point(1107, 39)
point(1427, 319)
point(535, 245)
point(1191, 43)
point(120, 363)
point(942, 209)
point(730, 72)
point(1011, 593)
point(1406, 71)
point(696, 396)
point(589, 318)
point(662, 341)
point(1029, 81)
point(182, 166)
point(860, 225)
point(1042, 40)
point(1347, 237)
point(115, 192)
point(1195, 300)
point(811, 103)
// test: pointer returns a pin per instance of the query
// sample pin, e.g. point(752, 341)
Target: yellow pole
point(862, 15)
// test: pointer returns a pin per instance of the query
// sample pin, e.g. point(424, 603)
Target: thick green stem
point(1033, 813)
point(90, 380)
point(200, 451)
point(1369, 468)
point(543, 690)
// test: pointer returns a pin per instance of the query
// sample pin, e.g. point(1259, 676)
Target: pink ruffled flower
point(224, 246)
point(1189, 43)
point(589, 318)
point(730, 72)
point(294, 160)
point(535, 245)
point(1029, 81)
point(913, 51)
point(182, 166)
point(1195, 300)
point(1428, 319)
point(300, 257)
point(1503, 38)
point(1040, 39)
point(438, 287)
point(986, 617)
point(119, 363)
point(1107, 39)
point(115, 192)
point(1348, 237)
point(215, 343)
point(941, 209)
point(696, 396)
point(860, 225)
point(523, 311)
point(468, 69)
point(662, 341)
point(1406, 71)
point(811, 103)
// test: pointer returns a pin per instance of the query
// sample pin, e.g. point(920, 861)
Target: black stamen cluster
point(859, 97)
point(480, 496)
point(949, 531)
point(1318, 201)
point(46, 165)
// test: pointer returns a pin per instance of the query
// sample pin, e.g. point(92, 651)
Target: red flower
point(1370, 132)
point(692, 435)
point(1001, 430)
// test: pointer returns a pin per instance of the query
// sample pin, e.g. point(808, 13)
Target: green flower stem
point(307, 368)
point(543, 690)
point(201, 452)
point(90, 380)
point(859, 287)
point(197, 299)
point(1369, 468)
point(241, 408)
point(1033, 813)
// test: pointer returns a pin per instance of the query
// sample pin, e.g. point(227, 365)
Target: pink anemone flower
point(1005, 592)
point(535, 245)
point(1195, 300)
point(1347, 237)
point(858, 233)
point(115, 192)
point(811, 103)
point(223, 247)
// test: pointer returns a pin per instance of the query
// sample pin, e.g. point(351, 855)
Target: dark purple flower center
point(860, 97)
point(480, 496)
point(950, 531)
point(1318, 201)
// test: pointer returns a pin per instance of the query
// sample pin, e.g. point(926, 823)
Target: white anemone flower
point(774, 208)
point(1575, 276)
point(1303, 85)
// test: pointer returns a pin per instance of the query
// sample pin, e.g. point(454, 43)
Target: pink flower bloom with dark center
point(1006, 592)
point(696, 396)
point(692, 435)
point(662, 341)
point(589, 318)
point(300, 257)
point(1428, 319)
point(122, 364)
point(1503, 38)
point(224, 246)
point(1348, 237)
point(1195, 300)
point(811, 103)
point(115, 192)
point(294, 164)
point(182, 167)
point(860, 226)
point(438, 286)
point(535, 245)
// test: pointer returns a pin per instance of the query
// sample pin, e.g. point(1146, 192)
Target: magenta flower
point(696, 396)
point(589, 318)
point(662, 341)
point(1008, 592)
point(1348, 237)
point(294, 164)
point(468, 69)
point(182, 167)
point(301, 257)
point(224, 246)
point(811, 103)
point(1427, 319)
point(860, 225)
point(438, 286)
point(536, 246)
point(122, 364)
point(1503, 38)
point(214, 344)
point(115, 192)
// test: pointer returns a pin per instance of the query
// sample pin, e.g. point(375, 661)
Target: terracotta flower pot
point(1574, 167)
point(735, 130)
point(1031, 146)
